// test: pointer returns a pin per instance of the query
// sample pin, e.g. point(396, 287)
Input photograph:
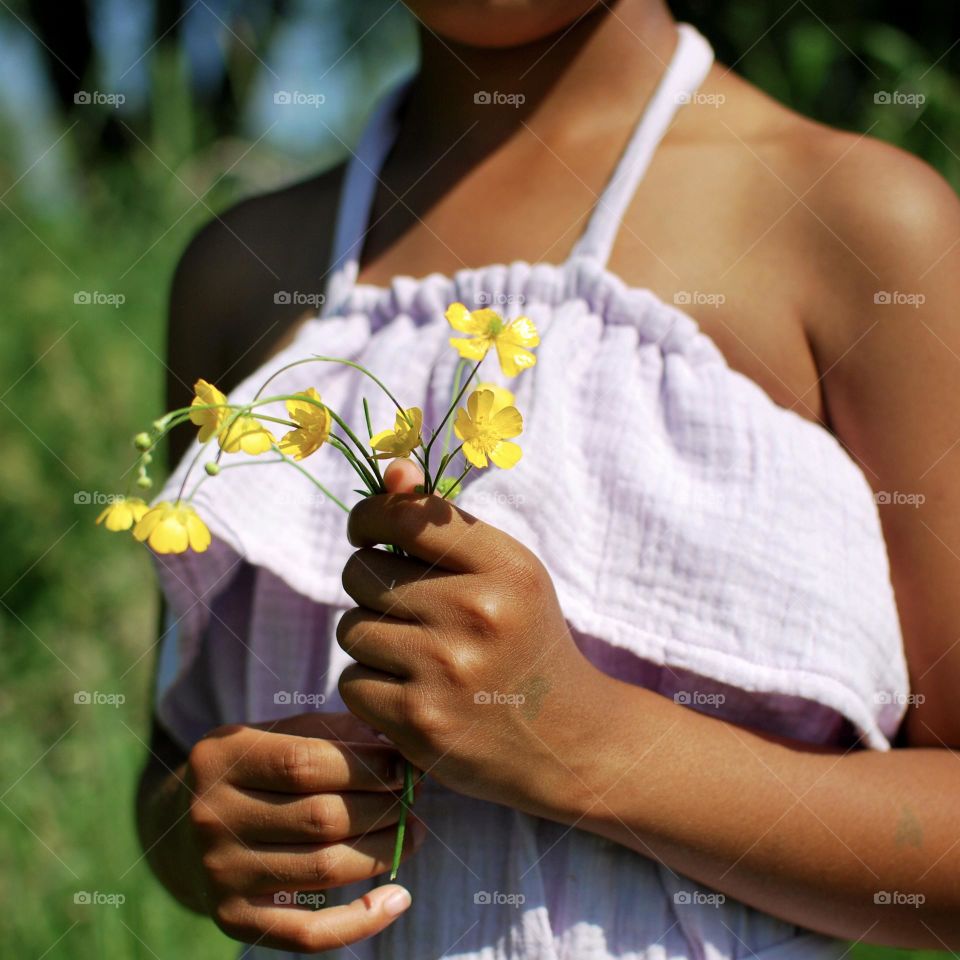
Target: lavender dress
point(720, 550)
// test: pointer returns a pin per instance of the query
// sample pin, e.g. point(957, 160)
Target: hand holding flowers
point(486, 427)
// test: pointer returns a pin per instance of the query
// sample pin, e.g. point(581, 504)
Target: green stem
point(453, 406)
point(406, 802)
point(461, 364)
point(454, 487)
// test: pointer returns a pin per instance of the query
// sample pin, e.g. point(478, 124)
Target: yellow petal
point(479, 404)
point(465, 321)
point(506, 454)
point(148, 523)
point(502, 397)
point(169, 536)
point(474, 453)
point(463, 425)
point(513, 359)
point(522, 332)
point(197, 533)
point(507, 423)
point(475, 349)
point(137, 508)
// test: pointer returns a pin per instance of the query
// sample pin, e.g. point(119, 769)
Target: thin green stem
point(406, 802)
point(453, 406)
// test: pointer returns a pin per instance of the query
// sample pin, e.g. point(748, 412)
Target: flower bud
point(212, 468)
point(143, 441)
point(144, 482)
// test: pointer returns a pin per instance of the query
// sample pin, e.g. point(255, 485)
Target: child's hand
point(278, 813)
point(465, 660)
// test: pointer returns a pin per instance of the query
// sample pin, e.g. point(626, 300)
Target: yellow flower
point(209, 421)
point(314, 426)
point(243, 433)
point(122, 514)
point(403, 439)
point(486, 431)
point(173, 528)
point(246, 434)
point(514, 340)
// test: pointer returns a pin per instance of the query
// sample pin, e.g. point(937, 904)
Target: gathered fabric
point(704, 542)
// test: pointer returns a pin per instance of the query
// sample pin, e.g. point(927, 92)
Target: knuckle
point(300, 763)
point(458, 663)
point(323, 868)
point(216, 867)
point(483, 611)
point(425, 716)
point(203, 817)
point(230, 916)
point(324, 818)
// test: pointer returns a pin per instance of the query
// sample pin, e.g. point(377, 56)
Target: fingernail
point(396, 903)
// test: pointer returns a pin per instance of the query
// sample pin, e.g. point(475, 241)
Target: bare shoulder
point(244, 280)
point(871, 215)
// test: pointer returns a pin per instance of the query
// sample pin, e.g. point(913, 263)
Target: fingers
point(302, 930)
point(429, 528)
point(402, 476)
point(326, 726)
point(380, 641)
point(260, 817)
point(399, 586)
point(265, 869)
point(373, 695)
point(283, 763)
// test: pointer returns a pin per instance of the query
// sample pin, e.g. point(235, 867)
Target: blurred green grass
point(78, 610)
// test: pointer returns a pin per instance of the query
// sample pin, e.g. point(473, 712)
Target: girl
point(655, 673)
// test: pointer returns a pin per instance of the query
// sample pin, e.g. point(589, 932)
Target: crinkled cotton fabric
point(704, 542)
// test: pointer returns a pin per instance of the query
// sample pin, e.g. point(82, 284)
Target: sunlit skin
point(799, 226)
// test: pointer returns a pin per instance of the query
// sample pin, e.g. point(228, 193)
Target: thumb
point(402, 476)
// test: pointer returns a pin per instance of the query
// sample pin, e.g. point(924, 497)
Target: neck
point(610, 56)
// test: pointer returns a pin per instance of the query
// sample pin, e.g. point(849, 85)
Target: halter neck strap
point(691, 62)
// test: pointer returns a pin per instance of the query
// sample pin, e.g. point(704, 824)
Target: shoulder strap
point(691, 62)
point(359, 188)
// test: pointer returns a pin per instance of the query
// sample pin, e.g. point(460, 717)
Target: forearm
point(163, 827)
point(810, 837)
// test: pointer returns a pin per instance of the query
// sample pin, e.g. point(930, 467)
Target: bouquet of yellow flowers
point(485, 428)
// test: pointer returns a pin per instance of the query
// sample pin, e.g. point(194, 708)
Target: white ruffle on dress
point(701, 539)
